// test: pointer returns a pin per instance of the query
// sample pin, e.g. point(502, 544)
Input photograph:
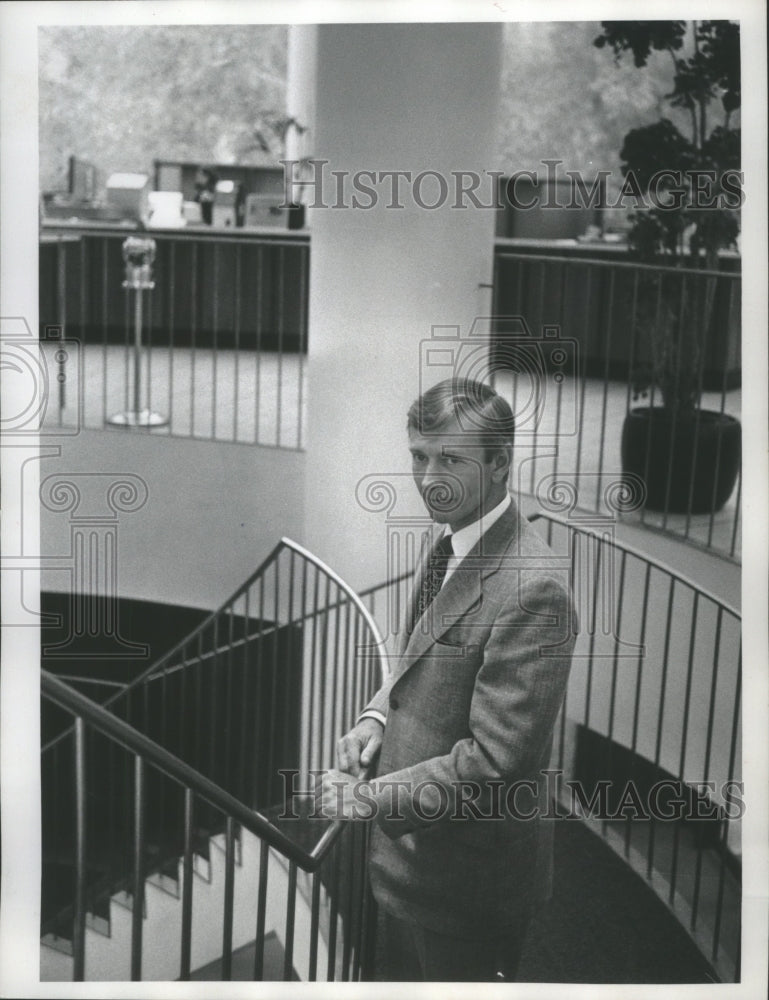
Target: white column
point(411, 97)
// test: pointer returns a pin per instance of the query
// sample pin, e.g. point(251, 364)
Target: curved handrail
point(355, 598)
point(166, 658)
point(638, 554)
point(172, 766)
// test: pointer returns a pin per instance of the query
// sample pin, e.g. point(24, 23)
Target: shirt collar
point(462, 541)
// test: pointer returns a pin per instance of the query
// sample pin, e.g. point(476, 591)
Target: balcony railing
point(225, 338)
point(224, 332)
point(612, 318)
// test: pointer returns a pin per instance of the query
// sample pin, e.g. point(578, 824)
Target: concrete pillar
point(407, 97)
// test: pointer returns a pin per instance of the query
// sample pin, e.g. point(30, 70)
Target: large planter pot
point(689, 464)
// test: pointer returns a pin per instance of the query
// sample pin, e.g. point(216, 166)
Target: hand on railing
point(357, 750)
point(347, 793)
point(343, 796)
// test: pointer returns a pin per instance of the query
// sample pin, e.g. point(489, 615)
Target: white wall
point(213, 511)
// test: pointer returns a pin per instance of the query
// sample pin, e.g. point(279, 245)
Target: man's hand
point(342, 796)
point(357, 749)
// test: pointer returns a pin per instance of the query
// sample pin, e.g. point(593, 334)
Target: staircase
point(108, 942)
point(166, 847)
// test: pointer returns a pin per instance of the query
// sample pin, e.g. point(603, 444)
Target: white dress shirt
point(462, 541)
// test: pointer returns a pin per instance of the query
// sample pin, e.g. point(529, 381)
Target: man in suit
point(462, 730)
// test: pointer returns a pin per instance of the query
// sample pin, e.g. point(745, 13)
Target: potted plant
point(688, 185)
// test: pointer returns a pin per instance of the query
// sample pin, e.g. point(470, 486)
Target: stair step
point(98, 924)
point(63, 945)
point(165, 883)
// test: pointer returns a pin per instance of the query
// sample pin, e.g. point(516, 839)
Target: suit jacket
point(470, 708)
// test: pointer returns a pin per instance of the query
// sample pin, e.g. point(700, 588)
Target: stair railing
point(231, 721)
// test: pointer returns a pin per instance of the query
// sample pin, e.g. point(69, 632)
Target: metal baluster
point(259, 307)
point(228, 780)
point(572, 544)
point(583, 375)
point(312, 973)
point(193, 331)
point(348, 705)
point(660, 714)
point(214, 353)
point(725, 822)
point(260, 668)
point(702, 324)
point(368, 933)
point(738, 502)
point(652, 391)
point(614, 671)
point(349, 836)
point(244, 699)
point(633, 336)
point(171, 330)
point(304, 254)
point(61, 303)
point(163, 741)
point(359, 862)
point(127, 352)
point(236, 388)
point(593, 628)
point(104, 324)
point(684, 737)
point(274, 678)
point(137, 914)
point(333, 729)
point(229, 897)
point(324, 660)
point(148, 352)
point(289, 673)
point(708, 748)
point(674, 422)
point(199, 736)
point(187, 884)
point(334, 915)
point(313, 762)
point(303, 644)
point(280, 323)
point(288, 959)
point(183, 704)
point(261, 910)
point(78, 927)
point(637, 698)
point(213, 688)
point(607, 351)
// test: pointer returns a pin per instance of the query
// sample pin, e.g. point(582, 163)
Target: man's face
point(456, 482)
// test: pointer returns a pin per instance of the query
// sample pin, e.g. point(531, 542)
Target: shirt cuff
point(371, 713)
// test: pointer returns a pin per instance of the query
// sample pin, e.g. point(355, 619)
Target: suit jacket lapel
point(463, 589)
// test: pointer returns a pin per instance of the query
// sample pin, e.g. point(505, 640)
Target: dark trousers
point(408, 952)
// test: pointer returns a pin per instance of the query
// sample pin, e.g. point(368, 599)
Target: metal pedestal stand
point(138, 254)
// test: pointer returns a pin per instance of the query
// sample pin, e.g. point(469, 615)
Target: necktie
point(435, 572)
